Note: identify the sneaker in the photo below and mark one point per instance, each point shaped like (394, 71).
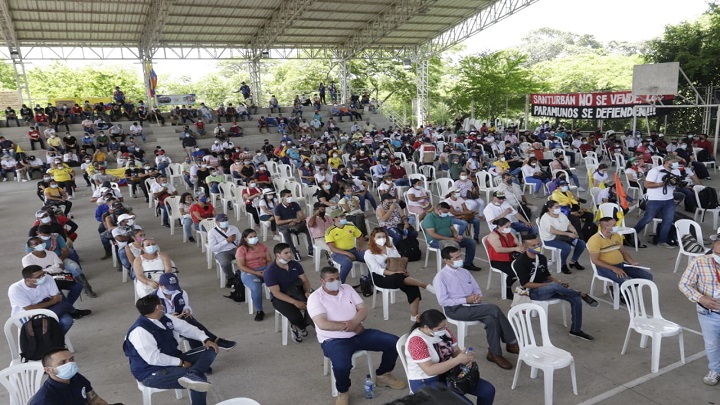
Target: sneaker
(194, 382)
(296, 335)
(259, 316)
(297, 256)
(711, 378)
(666, 245)
(581, 335)
(225, 344)
(310, 253)
(80, 313)
(581, 189)
(277, 238)
(389, 380)
(191, 239)
(430, 289)
(303, 332)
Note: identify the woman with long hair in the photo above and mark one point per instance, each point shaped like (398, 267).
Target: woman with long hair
(501, 246)
(149, 266)
(252, 257)
(557, 231)
(376, 257)
(431, 351)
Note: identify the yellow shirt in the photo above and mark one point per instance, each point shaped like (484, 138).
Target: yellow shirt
(334, 162)
(501, 166)
(344, 238)
(54, 141)
(61, 175)
(564, 199)
(609, 248)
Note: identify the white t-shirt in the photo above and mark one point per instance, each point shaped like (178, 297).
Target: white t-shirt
(492, 211)
(656, 194)
(378, 263)
(21, 295)
(457, 205)
(561, 223)
(51, 263)
(417, 194)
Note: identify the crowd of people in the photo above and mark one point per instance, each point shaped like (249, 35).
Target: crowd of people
(338, 175)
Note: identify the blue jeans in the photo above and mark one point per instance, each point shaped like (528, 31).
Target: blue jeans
(72, 267)
(556, 290)
(566, 247)
(187, 227)
(345, 262)
(73, 295)
(520, 227)
(485, 391)
(402, 182)
(368, 197)
(466, 243)
(122, 255)
(66, 322)
(398, 236)
(167, 377)
(652, 209)
(340, 352)
(162, 166)
(462, 225)
(537, 182)
(632, 272)
(255, 284)
(710, 326)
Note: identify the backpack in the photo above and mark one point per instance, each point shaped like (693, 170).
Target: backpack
(410, 248)
(366, 286)
(38, 335)
(708, 198)
(691, 245)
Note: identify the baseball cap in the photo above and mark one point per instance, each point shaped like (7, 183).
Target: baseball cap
(170, 281)
(124, 217)
(337, 214)
(221, 217)
(499, 194)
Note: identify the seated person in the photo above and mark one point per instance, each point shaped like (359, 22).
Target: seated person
(419, 199)
(350, 205)
(290, 289)
(318, 223)
(338, 312)
(502, 248)
(391, 216)
(175, 302)
(533, 274)
(559, 164)
(379, 251)
(71, 279)
(440, 233)
(600, 175)
(156, 361)
(432, 351)
(252, 257)
(342, 239)
(149, 266)
(534, 175)
(570, 205)
(462, 215)
(557, 231)
(500, 208)
(290, 219)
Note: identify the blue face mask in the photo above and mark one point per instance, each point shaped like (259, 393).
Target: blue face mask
(444, 214)
(343, 222)
(150, 249)
(67, 370)
(675, 165)
(41, 280)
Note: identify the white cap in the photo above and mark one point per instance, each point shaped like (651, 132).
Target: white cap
(124, 217)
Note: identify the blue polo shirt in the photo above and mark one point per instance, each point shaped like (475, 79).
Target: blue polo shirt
(275, 275)
(56, 393)
(287, 211)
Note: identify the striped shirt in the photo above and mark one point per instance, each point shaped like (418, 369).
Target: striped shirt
(702, 277)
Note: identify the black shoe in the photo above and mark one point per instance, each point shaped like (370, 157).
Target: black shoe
(581, 335)
(310, 253)
(471, 267)
(577, 265)
(80, 313)
(297, 256)
(225, 344)
(191, 239)
(208, 371)
(166, 225)
(565, 269)
(259, 316)
(589, 300)
(296, 335)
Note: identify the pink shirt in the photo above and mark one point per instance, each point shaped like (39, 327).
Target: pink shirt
(338, 308)
(254, 258)
(321, 225)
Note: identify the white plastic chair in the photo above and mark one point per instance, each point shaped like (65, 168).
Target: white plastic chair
(462, 329)
(607, 210)
(272, 167)
(555, 253)
(400, 348)
(485, 183)
(22, 381)
(431, 249)
(422, 177)
(203, 228)
(388, 297)
(327, 368)
(503, 276)
(682, 228)
(280, 319)
(239, 401)
(317, 253)
(657, 160)
(148, 392)
(17, 322)
(702, 211)
(443, 185)
(152, 202)
(606, 282)
(227, 193)
(172, 205)
(429, 172)
(174, 171)
(707, 164)
(646, 324)
(538, 354)
(410, 167)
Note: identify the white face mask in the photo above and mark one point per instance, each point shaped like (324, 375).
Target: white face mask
(283, 261)
(463, 177)
(556, 211)
(564, 188)
(506, 230)
(288, 200)
(333, 285)
(457, 263)
(380, 241)
(253, 240)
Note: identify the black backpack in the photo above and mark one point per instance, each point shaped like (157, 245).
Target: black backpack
(366, 286)
(708, 198)
(410, 248)
(39, 335)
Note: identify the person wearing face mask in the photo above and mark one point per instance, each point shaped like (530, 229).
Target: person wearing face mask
(501, 208)
(699, 283)
(346, 243)
(600, 176)
(121, 236)
(635, 171)
(160, 190)
(418, 200)
(307, 173)
(351, 206)
(37, 290)
(290, 219)
(570, 205)
(176, 303)
(660, 201)
(534, 175)
(223, 241)
(58, 224)
(440, 232)
(338, 312)
(646, 150)
(557, 231)
(149, 266)
(532, 273)
(262, 177)
(559, 164)
(612, 260)
(391, 216)
(502, 248)
(432, 351)
(380, 249)
(516, 198)
(54, 267)
(318, 223)
(461, 298)
(252, 258)
(64, 385)
(134, 248)
(462, 215)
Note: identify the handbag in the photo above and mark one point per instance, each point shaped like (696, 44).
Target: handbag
(397, 264)
(565, 238)
(463, 382)
(522, 295)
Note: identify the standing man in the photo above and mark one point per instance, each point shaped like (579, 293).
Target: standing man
(64, 384)
(459, 294)
(155, 360)
(701, 284)
(659, 192)
(338, 312)
(223, 241)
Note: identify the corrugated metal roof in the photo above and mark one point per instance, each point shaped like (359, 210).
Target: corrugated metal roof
(222, 23)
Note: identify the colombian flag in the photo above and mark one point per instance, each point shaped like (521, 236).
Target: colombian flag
(152, 79)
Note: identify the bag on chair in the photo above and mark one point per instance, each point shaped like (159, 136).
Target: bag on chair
(366, 285)
(39, 335)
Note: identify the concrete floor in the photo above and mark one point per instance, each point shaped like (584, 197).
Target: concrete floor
(261, 368)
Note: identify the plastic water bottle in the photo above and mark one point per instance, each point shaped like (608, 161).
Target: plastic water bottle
(464, 367)
(369, 388)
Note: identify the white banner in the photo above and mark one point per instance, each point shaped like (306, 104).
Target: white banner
(175, 99)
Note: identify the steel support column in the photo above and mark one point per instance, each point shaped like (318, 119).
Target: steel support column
(20, 76)
(146, 59)
(422, 102)
(255, 82)
(343, 82)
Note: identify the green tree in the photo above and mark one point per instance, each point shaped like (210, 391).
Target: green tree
(548, 44)
(7, 77)
(591, 72)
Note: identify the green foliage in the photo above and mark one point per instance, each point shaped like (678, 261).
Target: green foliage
(7, 77)
(590, 72)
